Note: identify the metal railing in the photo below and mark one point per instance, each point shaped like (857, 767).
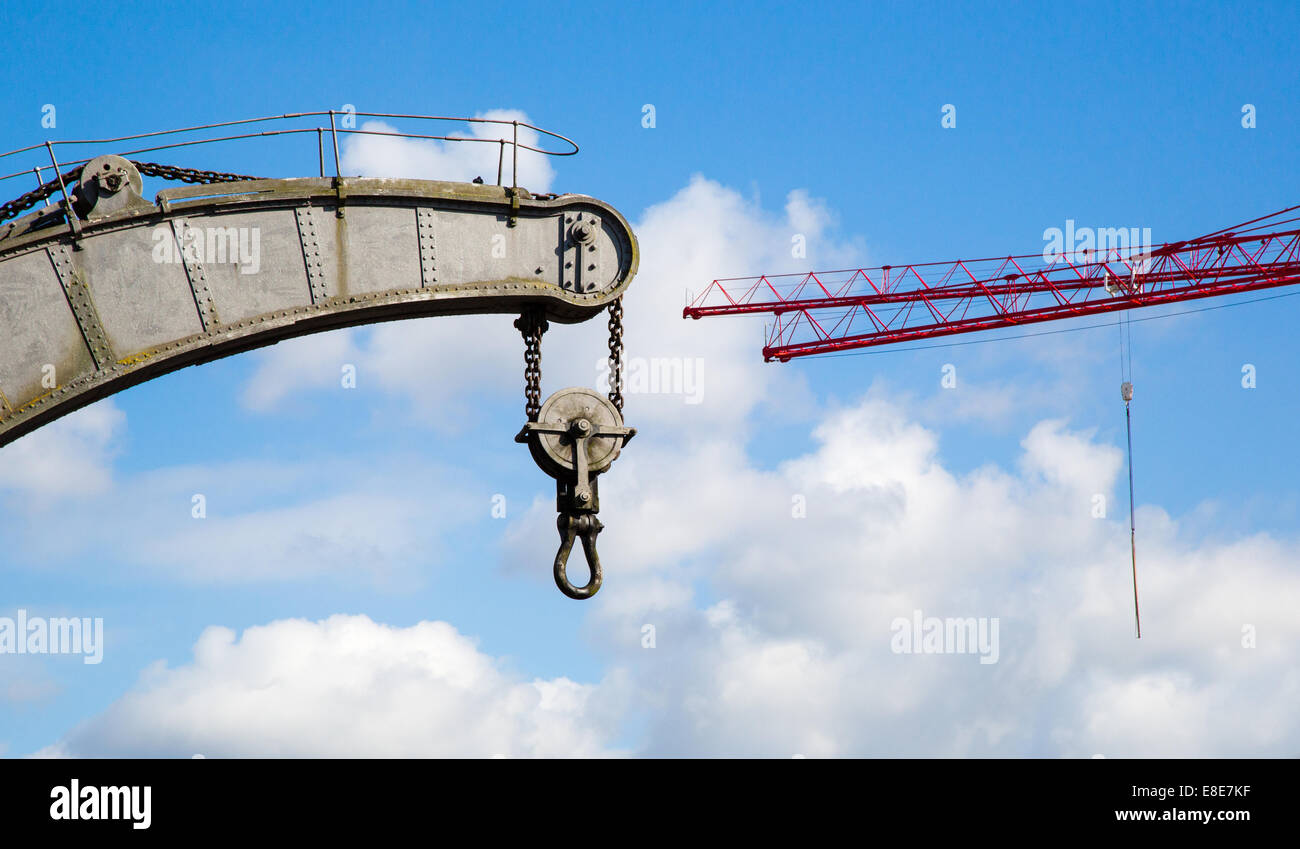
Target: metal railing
(320, 130)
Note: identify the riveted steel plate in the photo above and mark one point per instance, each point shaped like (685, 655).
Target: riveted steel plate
(212, 270)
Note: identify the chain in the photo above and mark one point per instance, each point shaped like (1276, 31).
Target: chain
(187, 175)
(25, 202)
(532, 324)
(147, 169)
(616, 354)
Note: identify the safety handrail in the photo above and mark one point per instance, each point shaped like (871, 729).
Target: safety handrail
(332, 128)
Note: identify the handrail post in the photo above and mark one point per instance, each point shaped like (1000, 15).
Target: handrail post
(40, 182)
(334, 135)
(73, 224)
(515, 168)
(338, 172)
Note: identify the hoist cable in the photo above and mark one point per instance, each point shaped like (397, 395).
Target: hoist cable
(1132, 528)
(1126, 391)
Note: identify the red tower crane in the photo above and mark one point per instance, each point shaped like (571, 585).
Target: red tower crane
(824, 312)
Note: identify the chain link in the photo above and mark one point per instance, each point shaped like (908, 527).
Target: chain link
(25, 202)
(187, 175)
(532, 324)
(616, 354)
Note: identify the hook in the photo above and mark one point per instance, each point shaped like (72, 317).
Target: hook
(571, 525)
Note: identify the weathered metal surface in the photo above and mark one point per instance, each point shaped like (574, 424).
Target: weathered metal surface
(212, 270)
(576, 436)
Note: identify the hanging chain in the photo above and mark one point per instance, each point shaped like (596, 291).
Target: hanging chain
(532, 324)
(616, 354)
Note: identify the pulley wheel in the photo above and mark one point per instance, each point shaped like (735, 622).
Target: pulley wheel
(554, 452)
(114, 173)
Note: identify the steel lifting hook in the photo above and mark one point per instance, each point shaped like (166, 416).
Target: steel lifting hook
(576, 436)
(587, 526)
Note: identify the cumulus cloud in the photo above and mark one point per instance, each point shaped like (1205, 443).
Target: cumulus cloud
(259, 521)
(24, 681)
(308, 363)
(458, 161)
(773, 630)
(345, 686)
(70, 457)
(367, 532)
(770, 574)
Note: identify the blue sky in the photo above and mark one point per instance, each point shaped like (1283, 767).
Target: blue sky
(1113, 115)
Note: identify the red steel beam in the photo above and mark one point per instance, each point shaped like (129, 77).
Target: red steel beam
(923, 301)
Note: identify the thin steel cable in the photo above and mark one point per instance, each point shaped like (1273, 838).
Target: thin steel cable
(1126, 390)
(1132, 528)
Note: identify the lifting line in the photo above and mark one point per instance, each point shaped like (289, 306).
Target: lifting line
(1126, 392)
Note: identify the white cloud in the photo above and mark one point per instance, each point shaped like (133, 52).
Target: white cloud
(345, 686)
(70, 457)
(808, 214)
(23, 680)
(796, 656)
(311, 362)
(773, 632)
(458, 161)
(381, 520)
(367, 532)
